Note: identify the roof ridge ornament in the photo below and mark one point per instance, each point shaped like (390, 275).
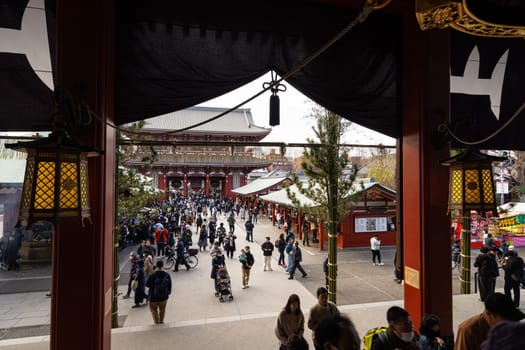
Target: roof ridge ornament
(457, 14)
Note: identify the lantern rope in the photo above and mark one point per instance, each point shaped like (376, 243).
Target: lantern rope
(445, 127)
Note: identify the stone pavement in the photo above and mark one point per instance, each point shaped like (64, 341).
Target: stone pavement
(195, 318)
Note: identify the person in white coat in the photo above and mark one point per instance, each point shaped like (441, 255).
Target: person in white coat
(375, 247)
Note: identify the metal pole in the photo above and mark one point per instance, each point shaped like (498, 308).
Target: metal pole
(465, 254)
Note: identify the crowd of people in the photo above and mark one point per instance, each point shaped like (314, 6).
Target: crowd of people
(214, 226)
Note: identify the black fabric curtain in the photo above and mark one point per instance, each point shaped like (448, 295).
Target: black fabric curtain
(170, 58)
(25, 101)
(496, 75)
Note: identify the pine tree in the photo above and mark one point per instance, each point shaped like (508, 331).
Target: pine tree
(330, 179)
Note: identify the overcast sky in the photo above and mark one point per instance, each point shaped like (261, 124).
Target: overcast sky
(295, 126)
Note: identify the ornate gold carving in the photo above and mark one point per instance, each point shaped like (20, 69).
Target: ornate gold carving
(455, 14)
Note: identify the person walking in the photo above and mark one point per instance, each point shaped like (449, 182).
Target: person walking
(203, 238)
(140, 291)
(159, 284)
(231, 222)
(148, 263)
(267, 248)
(290, 321)
(321, 309)
(248, 225)
(281, 245)
(288, 249)
(313, 227)
(247, 261)
(487, 272)
(297, 257)
(513, 267)
(133, 259)
(229, 245)
(305, 228)
(181, 259)
(375, 247)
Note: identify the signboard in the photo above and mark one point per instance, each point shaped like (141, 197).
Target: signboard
(372, 224)
(502, 187)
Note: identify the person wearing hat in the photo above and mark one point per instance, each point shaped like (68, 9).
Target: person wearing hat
(267, 248)
(473, 331)
(487, 272)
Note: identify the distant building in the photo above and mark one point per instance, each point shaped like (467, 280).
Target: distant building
(211, 169)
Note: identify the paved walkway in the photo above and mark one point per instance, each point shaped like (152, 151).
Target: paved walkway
(196, 320)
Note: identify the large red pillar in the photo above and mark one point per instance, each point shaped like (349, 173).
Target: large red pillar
(82, 264)
(425, 67)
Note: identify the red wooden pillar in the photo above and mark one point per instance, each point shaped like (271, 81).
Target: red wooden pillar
(320, 231)
(428, 281)
(81, 289)
(299, 224)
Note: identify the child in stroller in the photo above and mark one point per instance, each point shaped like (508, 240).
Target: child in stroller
(223, 287)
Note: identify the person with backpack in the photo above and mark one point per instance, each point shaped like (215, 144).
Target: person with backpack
(161, 237)
(399, 334)
(513, 267)
(159, 284)
(487, 272)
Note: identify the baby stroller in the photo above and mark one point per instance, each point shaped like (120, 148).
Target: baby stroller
(223, 286)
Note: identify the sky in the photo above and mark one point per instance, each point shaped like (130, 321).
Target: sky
(295, 126)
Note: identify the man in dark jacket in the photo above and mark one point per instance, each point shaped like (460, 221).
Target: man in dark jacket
(267, 248)
(159, 284)
(513, 267)
(487, 272)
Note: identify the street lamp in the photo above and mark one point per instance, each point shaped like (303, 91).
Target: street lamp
(471, 188)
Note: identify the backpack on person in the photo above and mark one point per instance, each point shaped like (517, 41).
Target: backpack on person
(161, 286)
(381, 333)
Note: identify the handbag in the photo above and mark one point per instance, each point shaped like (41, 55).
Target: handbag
(134, 284)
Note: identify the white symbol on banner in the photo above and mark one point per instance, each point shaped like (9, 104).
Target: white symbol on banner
(471, 84)
(31, 41)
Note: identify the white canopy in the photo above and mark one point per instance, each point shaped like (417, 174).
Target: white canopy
(281, 197)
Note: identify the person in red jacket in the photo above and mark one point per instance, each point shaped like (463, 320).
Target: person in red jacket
(161, 237)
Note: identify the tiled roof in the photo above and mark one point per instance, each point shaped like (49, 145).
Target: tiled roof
(239, 121)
